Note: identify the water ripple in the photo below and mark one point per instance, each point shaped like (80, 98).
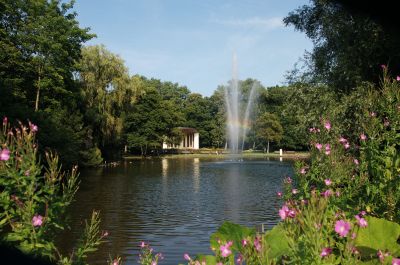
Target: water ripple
(175, 204)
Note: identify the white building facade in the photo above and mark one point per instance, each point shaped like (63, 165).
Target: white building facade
(190, 140)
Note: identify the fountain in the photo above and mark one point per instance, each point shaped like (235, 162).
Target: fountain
(237, 121)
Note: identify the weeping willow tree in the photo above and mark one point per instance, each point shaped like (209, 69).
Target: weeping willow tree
(107, 91)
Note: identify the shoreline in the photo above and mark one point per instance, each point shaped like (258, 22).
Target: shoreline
(212, 154)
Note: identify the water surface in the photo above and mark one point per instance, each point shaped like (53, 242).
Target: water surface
(174, 203)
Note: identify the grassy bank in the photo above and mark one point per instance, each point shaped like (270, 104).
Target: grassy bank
(220, 154)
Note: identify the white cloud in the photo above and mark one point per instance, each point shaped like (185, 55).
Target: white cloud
(266, 23)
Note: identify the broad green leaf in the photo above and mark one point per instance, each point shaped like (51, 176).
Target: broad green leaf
(277, 242)
(380, 234)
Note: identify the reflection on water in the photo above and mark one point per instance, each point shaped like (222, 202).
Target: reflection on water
(164, 166)
(175, 204)
(196, 174)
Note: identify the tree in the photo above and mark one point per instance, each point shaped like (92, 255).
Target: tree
(149, 121)
(268, 129)
(348, 47)
(174, 137)
(284, 103)
(40, 43)
(107, 91)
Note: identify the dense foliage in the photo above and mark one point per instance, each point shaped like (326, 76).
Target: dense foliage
(348, 46)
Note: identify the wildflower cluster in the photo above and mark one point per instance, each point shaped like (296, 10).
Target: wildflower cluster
(147, 256)
(349, 189)
(33, 198)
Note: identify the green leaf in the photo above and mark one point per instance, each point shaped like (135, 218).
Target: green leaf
(231, 232)
(380, 234)
(276, 241)
(13, 237)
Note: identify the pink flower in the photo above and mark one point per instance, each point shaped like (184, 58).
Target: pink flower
(187, 257)
(295, 191)
(361, 221)
(225, 251)
(154, 262)
(355, 251)
(383, 66)
(287, 180)
(318, 146)
(283, 212)
(304, 202)
(398, 78)
(257, 244)
(342, 140)
(363, 137)
(292, 213)
(33, 127)
(372, 114)
(382, 256)
(239, 259)
(325, 252)
(244, 242)
(327, 193)
(396, 261)
(115, 262)
(303, 170)
(279, 193)
(5, 120)
(327, 149)
(4, 154)
(328, 182)
(142, 244)
(342, 228)
(356, 161)
(327, 125)
(362, 213)
(346, 146)
(37, 220)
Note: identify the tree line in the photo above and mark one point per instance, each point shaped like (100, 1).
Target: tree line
(89, 107)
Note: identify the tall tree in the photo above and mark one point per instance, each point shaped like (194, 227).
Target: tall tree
(107, 92)
(150, 121)
(268, 129)
(40, 43)
(348, 47)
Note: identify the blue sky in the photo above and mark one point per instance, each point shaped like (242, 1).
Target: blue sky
(191, 42)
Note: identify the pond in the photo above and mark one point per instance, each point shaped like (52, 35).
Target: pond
(175, 204)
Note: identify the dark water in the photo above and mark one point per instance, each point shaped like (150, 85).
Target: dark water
(174, 204)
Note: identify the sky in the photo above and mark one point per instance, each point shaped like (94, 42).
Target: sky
(192, 42)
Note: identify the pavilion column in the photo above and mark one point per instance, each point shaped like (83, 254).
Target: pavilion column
(196, 141)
